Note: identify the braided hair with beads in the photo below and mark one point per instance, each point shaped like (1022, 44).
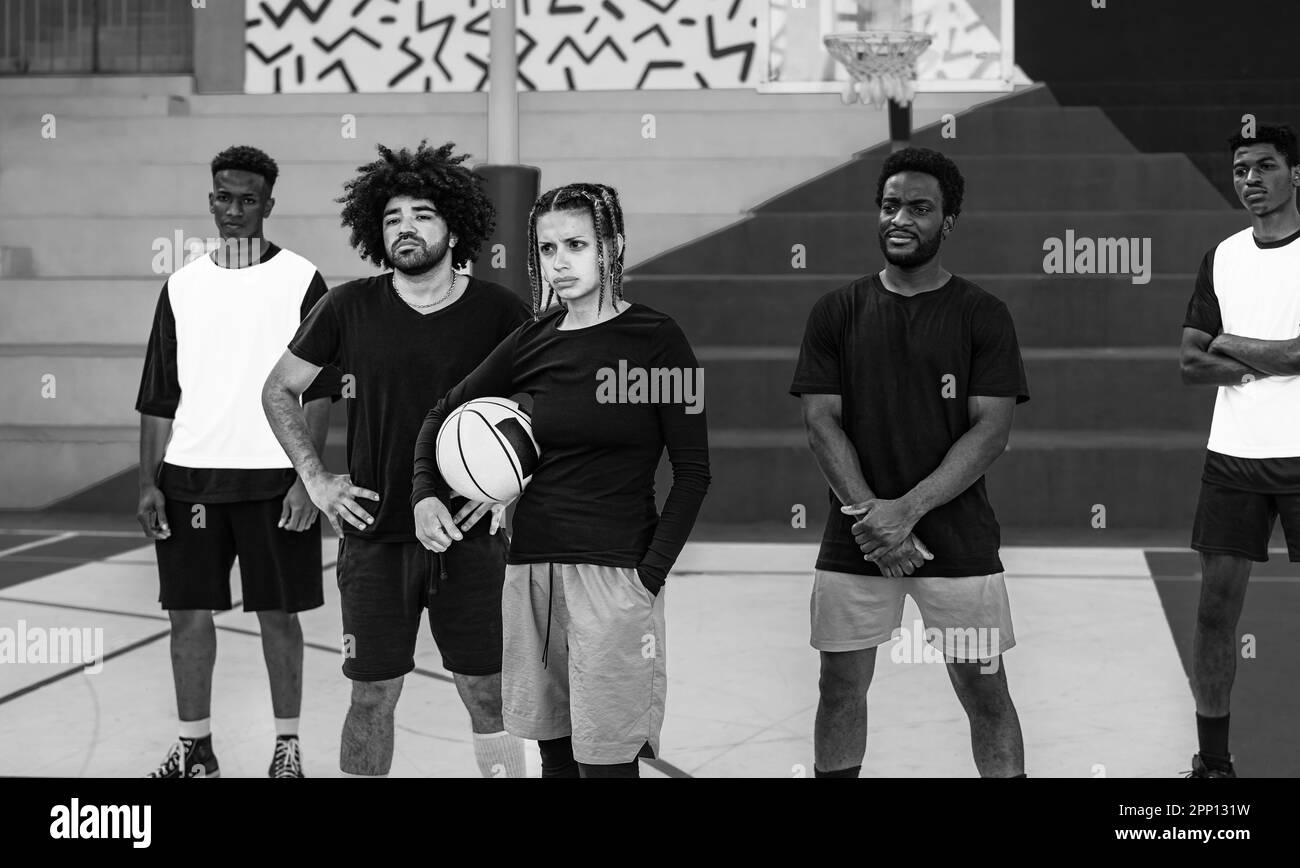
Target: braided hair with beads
(601, 202)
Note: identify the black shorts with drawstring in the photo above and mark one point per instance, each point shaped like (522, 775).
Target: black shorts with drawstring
(384, 586)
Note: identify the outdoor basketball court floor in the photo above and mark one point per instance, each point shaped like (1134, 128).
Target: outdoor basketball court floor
(1098, 673)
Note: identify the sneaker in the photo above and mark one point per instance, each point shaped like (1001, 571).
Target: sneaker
(1201, 770)
(287, 762)
(189, 758)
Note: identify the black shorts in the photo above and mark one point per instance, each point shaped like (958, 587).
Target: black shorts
(278, 569)
(384, 586)
(1230, 521)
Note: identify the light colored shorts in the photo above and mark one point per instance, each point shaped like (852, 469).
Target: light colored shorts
(967, 618)
(604, 678)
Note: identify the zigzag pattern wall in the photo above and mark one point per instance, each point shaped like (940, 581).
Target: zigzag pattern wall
(332, 46)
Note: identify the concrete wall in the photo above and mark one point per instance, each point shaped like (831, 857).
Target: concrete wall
(219, 48)
(1157, 40)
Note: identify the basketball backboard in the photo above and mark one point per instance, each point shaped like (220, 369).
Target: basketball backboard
(972, 44)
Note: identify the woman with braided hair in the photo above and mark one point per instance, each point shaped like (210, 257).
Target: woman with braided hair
(583, 606)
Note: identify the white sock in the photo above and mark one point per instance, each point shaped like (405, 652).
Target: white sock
(350, 775)
(500, 755)
(286, 726)
(196, 729)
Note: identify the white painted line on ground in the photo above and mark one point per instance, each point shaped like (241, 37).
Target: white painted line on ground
(69, 534)
(35, 531)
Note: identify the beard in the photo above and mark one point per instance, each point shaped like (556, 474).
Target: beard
(926, 249)
(419, 261)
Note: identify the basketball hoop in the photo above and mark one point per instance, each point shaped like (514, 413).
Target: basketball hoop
(881, 64)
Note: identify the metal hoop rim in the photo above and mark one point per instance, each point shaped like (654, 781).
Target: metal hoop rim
(843, 36)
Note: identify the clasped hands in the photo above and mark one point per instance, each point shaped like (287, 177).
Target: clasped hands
(883, 532)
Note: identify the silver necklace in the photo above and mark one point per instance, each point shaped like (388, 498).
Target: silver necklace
(392, 278)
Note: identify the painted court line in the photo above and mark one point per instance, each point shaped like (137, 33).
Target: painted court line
(663, 766)
(39, 531)
(65, 535)
(72, 608)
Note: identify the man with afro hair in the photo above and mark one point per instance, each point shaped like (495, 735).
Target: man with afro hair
(402, 339)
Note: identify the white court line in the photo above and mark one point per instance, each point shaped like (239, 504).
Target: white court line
(1190, 551)
(67, 534)
(36, 531)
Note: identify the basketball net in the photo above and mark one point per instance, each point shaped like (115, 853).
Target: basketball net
(881, 64)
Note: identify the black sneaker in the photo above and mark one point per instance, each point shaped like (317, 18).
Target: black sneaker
(1201, 770)
(189, 758)
(287, 762)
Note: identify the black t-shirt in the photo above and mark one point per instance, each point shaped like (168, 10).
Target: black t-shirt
(591, 499)
(904, 366)
(160, 394)
(402, 362)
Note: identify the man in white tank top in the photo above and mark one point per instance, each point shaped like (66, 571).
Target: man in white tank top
(215, 484)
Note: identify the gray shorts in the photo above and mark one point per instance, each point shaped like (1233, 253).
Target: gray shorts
(970, 616)
(604, 678)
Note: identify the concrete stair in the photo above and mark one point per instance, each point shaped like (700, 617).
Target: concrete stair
(132, 154)
(1109, 422)
(1099, 311)
(985, 241)
(1196, 118)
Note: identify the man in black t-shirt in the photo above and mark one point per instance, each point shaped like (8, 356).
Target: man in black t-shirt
(404, 339)
(909, 379)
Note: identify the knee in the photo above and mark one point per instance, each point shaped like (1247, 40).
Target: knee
(279, 623)
(375, 697)
(482, 696)
(981, 692)
(191, 622)
(838, 687)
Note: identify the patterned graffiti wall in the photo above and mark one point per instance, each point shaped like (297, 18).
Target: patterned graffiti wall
(334, 46)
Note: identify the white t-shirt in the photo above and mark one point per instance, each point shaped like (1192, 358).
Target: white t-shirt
(217, 334)
(1251, 288)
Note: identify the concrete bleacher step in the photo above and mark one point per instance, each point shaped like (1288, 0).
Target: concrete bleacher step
(70, 384)
(1216, 166)
(90, 468)
(1024, 182)
(1085, 389)
(987, 242)
(95, 85)
(746, 387)
(767, 310)
(1048, 310)
(547, 102)
(128, 246)
(682, 134)
(1144, 479)
(86, 310)
(44, 464)
(193, 140)
(1152, 127)
(29, 109)
(1242, 93)
(1029, 129)
(719, 186)
(984, 242)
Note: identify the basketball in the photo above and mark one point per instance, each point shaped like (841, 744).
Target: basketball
(486, 450)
